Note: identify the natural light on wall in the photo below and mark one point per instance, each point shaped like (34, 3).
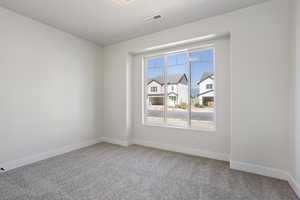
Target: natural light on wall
(172, 44)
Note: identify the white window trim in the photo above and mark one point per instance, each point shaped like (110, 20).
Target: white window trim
(145, 89)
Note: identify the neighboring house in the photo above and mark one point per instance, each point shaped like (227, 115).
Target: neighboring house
(177, 88)
(206, 87)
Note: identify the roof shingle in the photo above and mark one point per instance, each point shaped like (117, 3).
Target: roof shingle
(171, 78)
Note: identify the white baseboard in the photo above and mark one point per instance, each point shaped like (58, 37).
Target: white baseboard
(294, 185)
(260, 170)
(123, 143)
(184, 150)
(42, 156)
(266, 171)
(242, 166)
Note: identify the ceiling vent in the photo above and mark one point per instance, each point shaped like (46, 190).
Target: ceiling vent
(153, 18)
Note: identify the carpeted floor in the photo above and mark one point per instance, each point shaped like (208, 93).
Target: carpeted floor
(110, 172)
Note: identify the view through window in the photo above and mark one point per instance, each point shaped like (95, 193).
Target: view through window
(184, 94)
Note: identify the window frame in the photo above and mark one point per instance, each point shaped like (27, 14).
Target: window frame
(164, 54)
(153, 89)
(173, 98)
(209, 86)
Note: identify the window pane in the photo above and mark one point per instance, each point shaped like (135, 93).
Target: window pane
(177, 90)
(155, 90)
(202, 89)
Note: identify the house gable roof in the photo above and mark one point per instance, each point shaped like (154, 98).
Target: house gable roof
(153, 80)
(205, 76)
(172, 79)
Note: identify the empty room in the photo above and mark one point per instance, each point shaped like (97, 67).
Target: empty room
(150, 100)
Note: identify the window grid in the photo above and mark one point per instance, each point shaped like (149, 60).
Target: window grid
(209, 86)
(165, 85)
(153, 89)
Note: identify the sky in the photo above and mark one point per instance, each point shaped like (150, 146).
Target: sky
(178, 63)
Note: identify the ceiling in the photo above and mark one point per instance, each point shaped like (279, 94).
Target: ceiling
(107, 22)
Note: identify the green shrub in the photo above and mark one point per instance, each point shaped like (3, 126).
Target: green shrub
(182, 105)
(198, 105)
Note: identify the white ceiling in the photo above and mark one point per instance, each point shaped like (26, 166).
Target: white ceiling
(106, 22)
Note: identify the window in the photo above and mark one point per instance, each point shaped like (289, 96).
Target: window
(209, 86)
(191, 105)
(153, 89)
(172, 98)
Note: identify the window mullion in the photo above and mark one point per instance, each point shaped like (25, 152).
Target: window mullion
(165, 89)
(145, 96)
(189, 89)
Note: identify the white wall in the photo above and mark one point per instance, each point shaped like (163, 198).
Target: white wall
(182, 91)
(202, 86)
(260, 54)
(47, 88)
(160, 89)
(175, 88)
(295, 139)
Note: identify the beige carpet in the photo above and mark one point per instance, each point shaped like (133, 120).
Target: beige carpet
(110, 172)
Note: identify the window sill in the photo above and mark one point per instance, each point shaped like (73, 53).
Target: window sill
(204, 129)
